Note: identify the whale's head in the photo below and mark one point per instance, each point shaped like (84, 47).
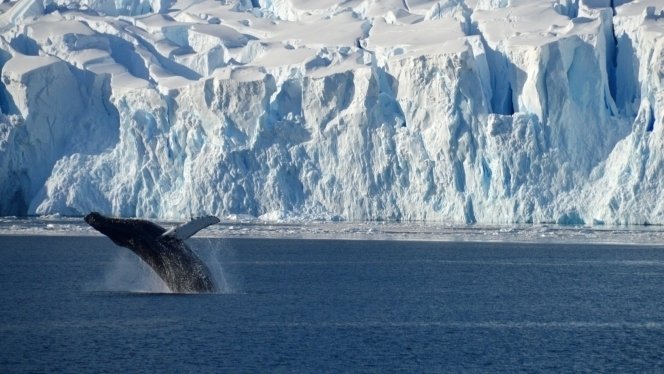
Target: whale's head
(98, 222)
(114, 228)
(94, 219)
(125, 232)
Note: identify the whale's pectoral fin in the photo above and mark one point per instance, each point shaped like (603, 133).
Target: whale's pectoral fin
(188, 229)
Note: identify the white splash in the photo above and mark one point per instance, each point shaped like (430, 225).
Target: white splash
(128, 273)
(213, 253)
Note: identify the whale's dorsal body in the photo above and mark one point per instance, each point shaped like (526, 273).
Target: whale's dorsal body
(165, 251)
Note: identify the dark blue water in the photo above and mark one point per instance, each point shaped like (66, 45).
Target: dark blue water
(304, 305)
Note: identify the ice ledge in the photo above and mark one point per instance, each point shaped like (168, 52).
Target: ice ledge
(417, 231)
(487, 111)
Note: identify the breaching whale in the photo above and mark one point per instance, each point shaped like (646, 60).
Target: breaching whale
(165, 251)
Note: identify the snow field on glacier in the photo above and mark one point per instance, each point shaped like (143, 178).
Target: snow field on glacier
(456, 111)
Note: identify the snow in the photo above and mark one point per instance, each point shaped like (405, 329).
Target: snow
(486, 111)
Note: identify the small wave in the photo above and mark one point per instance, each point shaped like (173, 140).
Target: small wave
(559, 325)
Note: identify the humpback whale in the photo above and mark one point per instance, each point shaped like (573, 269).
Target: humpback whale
(165, 251)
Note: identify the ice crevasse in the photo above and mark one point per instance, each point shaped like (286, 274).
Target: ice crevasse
(491, 111)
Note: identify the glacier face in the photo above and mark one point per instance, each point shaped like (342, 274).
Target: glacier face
(489, 111)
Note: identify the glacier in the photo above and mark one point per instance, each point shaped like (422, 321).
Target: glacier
(470, 111)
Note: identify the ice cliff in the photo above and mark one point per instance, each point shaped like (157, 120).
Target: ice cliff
(489, 111)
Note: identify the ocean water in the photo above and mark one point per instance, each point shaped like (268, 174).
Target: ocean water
(82, 304)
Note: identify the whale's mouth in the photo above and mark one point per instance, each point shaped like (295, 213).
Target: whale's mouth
(93, 219)
(88, 219)
(99, 223)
